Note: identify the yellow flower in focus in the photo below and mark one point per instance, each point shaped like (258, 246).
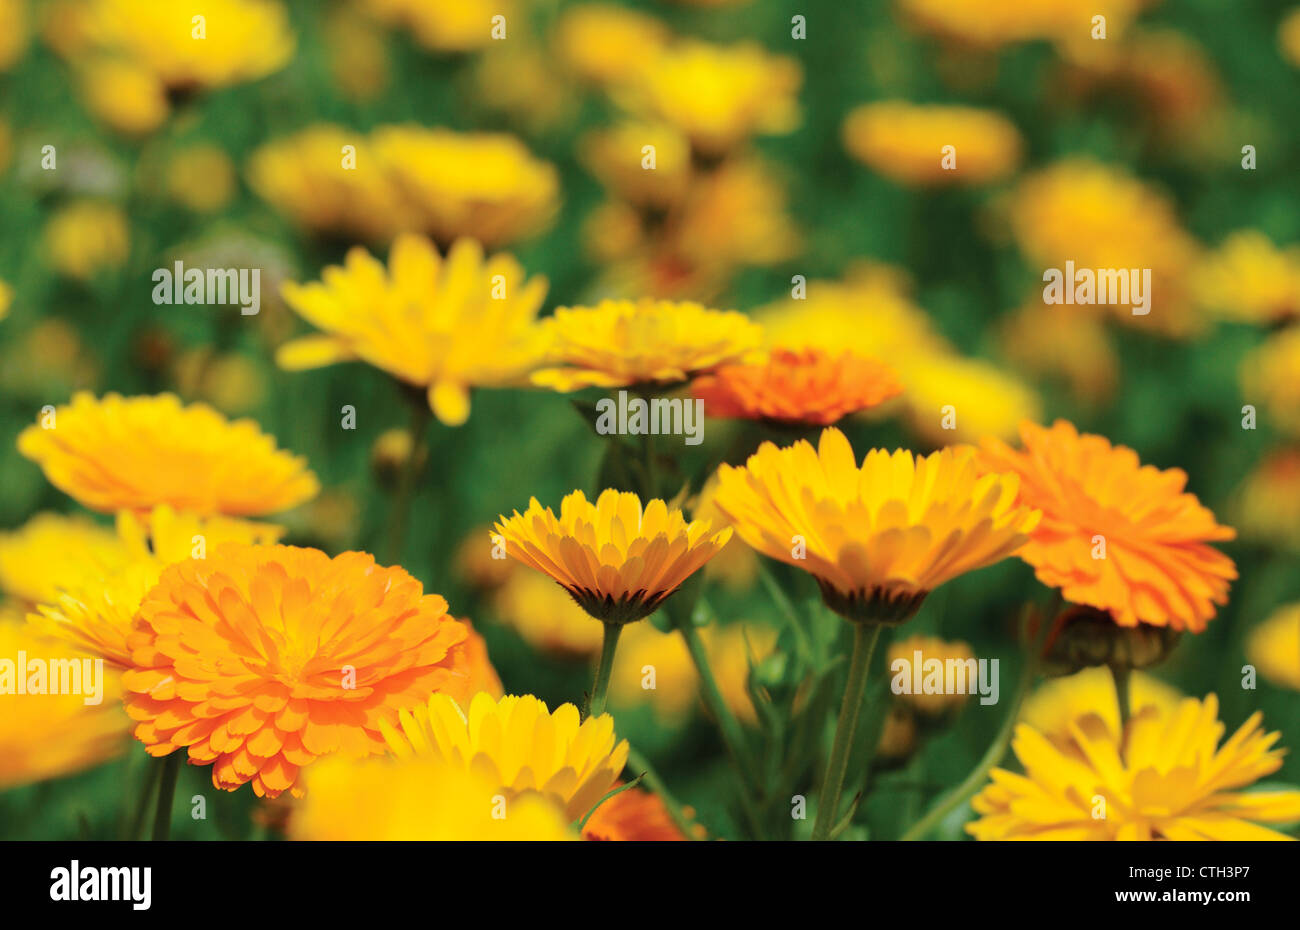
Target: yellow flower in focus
(447, 25)
(1059, 703)
(442, 324)
(13, 32)
(486, 186)
(201, 177)
(878, 538)
(1267, 505)
(85, 238)
(50, 547)
(1288, 37)
(618, 561)
(1158, 567)
(719, 96)
(420, 799)
(242, 40)
(1251, 280)
(1167, 777)
(519, 744)
(1273, 647)
(906, 142)
(134, 453)
(44, 736)
(985, 400)
(602, 43)
(912, 657)
(545, 615)
(97, 589)
(127, 96)
(1270, 377)
(645, 342)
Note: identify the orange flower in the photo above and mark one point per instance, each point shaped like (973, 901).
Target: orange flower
(262, 658)
(633, 816)
(796, 387)
(1116, 535)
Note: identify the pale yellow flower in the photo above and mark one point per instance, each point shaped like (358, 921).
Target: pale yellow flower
(449, 25)
(51, 547)
(13, 32)
(124, 94)
(950, 398)
(909, 142)
(1270, 379)
(201, 177)
(1273, 647)
(85, 238)
(1249, 279)
(603, 43)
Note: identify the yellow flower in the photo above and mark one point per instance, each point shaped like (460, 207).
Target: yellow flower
(1070, 346)
(6, 299)
(1251, 280)
(736, 566)
(201, 177)
(13, 32)
(617, 158)
(732, 651)
(880, 537)
(357, 52)
(1270, 377)
(231, 382)
(419, 799)
(619, 563)
(655, 669)
(622, 342)
(51, 546)
(1288, 36)
(906, 142)
(447, 25)
(444, 325)
(603, 43)
(912, 655)
(545, 615)
(97, 589)
(1273, 647)
(242, 39)
(1100, 217)
(735, 216)
(483, 185)
(719, 96)
(115, 453)
(1267, 506)
(46, 736)
(519, 744)
(125, 95)
(1059, 703)
(1167, 777)
(978, 22)
(985, 400)
(86, 237)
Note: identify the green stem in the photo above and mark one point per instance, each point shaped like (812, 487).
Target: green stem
(865, 636)
(162, 821)
(1123, 677)
(154, 768)
(656, 784)
(600, 689)
(802, 639)
(997, 749)
(732, 735)
(405, 484)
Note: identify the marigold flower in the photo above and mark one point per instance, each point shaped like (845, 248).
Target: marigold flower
(201, 178)
(1273, 647)
(49, 547)
(125, 95)
(623, 342)
(85, 238)
(519, 744)
(46, 736)
(1270, 376)
(797, 387)
(1059, 703)
(1267, 505)
(632, 816)
(914, 653)
(616, 157)
(879, 537)
(1288, 37)
(13, 32)
(602, 42)
(545, 616)
(442, 324)
(905, 142)
(6, 292)
(1167, 777)
(1251, 280)
(260, 659)
(445, 25)
(417, 799)
(992, 25)
(135, 453)
(619, 562)
(1116, 535)
(1071, 347)
(949, 397)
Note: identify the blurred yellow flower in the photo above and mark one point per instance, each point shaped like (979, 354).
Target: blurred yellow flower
(619, 343)
(732, 651)
(6, 299)
(201, 177)
(125, 95)
(1067, 22)
(736, 566)
(1288, 36)
(1071, 347)
(135, 453)
(13, 32)
(619, 159)
(1273, 647)
(877, 538)
(950, 398)
(358, 54)
(523, 83)
(441, 324)
(719, 96)
(908, 142)
(735, 216)
(654, 668)
(1099, 216)
(418, 799)
(912, 654)
(46, 736)
(618, 561)
(519, 744)
(227, 42)
(230, 381)
(86, 237)
(1167, 777)
(1059, 703)
(546, 615)
(54, 546)
(98, 589)
(1267, 505)
(603, 43)
(449, 25)
(1251, 280)
(1270, 378)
